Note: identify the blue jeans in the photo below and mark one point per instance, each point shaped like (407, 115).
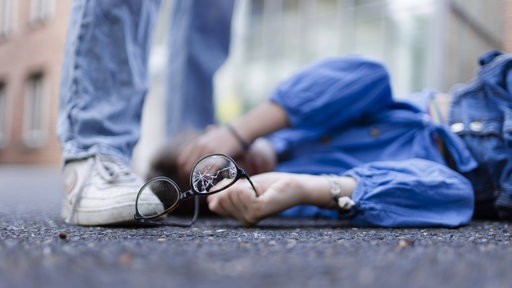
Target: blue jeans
(481, 114)
(105, 71)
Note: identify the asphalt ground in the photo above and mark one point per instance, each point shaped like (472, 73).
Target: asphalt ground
(37, 249)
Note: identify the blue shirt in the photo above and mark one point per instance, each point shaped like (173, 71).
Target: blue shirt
(344, 120)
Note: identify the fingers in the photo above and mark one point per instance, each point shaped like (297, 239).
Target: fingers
(277, 192)
(192, 153)
(215, 140)
(198, 148)
(215, 205)
(238, 202)
(261, 157)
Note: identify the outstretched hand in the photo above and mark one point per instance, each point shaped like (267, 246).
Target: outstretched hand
(277, 192)
(262, 120)
(216, 139)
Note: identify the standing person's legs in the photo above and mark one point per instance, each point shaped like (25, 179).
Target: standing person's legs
(199, 41)
(104, 82)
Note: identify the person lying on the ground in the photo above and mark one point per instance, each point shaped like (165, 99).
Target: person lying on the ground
(341, 115)
(344, 143)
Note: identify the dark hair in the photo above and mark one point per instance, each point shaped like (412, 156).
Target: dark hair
(165, 163)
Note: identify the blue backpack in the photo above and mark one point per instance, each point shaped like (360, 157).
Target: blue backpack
(481, 114)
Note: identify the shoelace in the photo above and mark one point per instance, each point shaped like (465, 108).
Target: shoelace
(110, 169)
(113, 170)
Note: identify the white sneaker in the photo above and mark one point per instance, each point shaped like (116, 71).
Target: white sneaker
(102, 191)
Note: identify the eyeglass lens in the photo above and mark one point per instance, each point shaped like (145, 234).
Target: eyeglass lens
(211, 174)
(165, 190)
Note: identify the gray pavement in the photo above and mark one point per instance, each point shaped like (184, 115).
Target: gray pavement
(38, 250)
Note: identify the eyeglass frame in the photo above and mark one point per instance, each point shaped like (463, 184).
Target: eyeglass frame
(192, 192)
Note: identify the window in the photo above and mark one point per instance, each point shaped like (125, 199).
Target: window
(6, 17)
(41, 10)
(35, 118)
(3, 115)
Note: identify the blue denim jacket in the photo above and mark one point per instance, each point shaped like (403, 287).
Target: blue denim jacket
(481, 114)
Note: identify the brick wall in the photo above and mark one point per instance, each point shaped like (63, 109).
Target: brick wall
(29, 49)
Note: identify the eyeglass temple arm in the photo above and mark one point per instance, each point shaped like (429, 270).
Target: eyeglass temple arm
(250, 182)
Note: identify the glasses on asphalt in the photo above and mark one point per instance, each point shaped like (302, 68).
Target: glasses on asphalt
(211, 174)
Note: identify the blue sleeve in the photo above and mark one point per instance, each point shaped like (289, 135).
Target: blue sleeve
(410, 193)
(334, 92)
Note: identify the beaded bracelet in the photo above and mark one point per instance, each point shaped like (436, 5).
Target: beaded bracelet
(336, 188)
(242, 142)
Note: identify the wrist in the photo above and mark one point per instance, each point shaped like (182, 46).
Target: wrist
(340, 189)
(264, 119)
(313, 190)
(243, 143)
(325, 190)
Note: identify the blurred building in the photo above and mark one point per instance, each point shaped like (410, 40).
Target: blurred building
(32, 35)
(424, 43)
